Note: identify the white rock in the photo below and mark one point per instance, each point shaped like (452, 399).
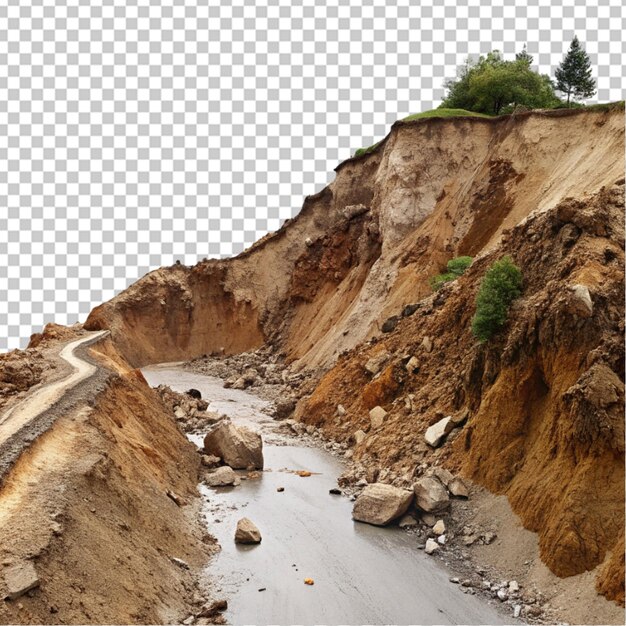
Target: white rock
(441, 539)
(341, 410)
(436, 433)
(377, 416)
(439, 528)
(431, 546)
(513, 586)
(179, 414)
(380, 504)
(502, 594)
(517, 609)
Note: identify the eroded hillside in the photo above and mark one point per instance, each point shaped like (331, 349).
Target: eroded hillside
(368, 243)
(539, 408)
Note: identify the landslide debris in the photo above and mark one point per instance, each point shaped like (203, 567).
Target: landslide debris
(542, 403)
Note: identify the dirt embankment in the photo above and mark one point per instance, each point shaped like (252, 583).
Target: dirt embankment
(87, 504)
(368, 243)
(543, 401)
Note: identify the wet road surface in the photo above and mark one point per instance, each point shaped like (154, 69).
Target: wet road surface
(363, 574)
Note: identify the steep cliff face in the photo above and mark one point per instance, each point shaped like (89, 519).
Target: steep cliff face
(543, 402)
(368, 242)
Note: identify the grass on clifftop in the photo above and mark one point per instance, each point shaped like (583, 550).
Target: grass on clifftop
(444, 113)
(424, 114)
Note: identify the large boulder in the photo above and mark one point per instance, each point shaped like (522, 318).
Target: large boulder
(380, 504)
(237, 446)
(430, 495)
(247, 532)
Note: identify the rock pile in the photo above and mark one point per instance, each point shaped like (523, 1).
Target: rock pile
(189, 410)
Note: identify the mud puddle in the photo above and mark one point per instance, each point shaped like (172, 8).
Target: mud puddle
(362, 574)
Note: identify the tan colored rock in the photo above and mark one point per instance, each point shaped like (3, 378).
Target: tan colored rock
(380, 504)
(580, 302)
(238, 446)
(377, 416)
(457, 487)
(247, 532)
(359, 437)
(223, 477)
(430, 495)
(431, 546)
(436, 433)
(412, 364)
(427, 344)
(439, 528)
(20, 579)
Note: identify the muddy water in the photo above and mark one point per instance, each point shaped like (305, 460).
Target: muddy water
(363, 574)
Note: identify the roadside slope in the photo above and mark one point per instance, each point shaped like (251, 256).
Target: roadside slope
(87, 505)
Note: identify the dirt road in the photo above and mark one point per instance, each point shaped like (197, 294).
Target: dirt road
(29, 414)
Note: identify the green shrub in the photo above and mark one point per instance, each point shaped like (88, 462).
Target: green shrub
(500, 286)
(456, 267)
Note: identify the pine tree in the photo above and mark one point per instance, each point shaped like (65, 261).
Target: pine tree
(573, 76)
(524, 56)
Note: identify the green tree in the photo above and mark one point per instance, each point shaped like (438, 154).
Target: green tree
(573, 76)
(500, 286)
(524, 56)
(456, 267)
(493, 85)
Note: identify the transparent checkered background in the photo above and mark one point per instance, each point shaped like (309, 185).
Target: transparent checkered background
(137, 132)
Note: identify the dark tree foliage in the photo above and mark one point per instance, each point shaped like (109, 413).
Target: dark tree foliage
(524, 56)
(495, 86)
(573, 76)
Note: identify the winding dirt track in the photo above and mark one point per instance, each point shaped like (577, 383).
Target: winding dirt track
(13, 420)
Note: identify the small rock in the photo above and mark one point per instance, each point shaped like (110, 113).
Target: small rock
(189, 620)
(439, 528)
(308, 242)
(309, 581)
(247, 532)
(223, 477)
(390, 324)
(431, 546)
(517, 609)
(210, 460)
(341, 410)
(457, 487)
(533, 610)
(441, 539)
(377, 416)
(412, 365)
(467, 583)
(429, 519)
(469, 540)
(179, 414)
(513, 586)
(375, 364)
(182, 564)
(407, 521)
(489, 537)
(444, 476)
(502, 594)
(280, 489)
(213, 609)
(194, 393)
(335, 492)
(427, 344)
(20, 579)
(359, 437)
(436, 433)
(454, 580)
